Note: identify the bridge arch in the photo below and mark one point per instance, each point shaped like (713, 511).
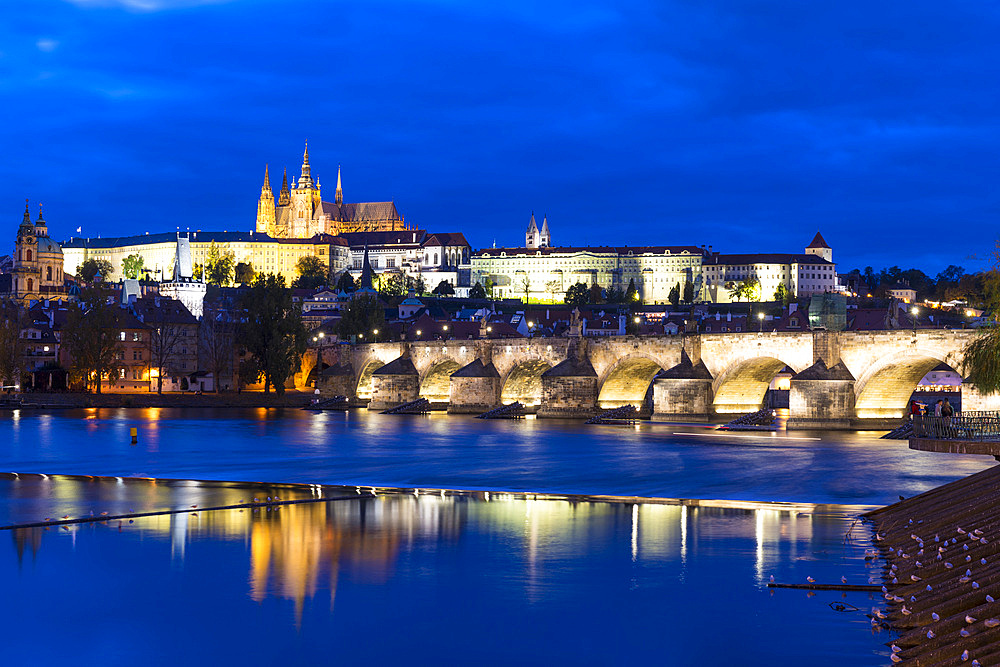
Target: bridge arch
(435, 385)
(364, 387)
(523, 382)
(884, 389)
(628, 381)
(742, 386)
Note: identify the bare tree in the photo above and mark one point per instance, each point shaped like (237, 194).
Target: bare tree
(13, 319)
(167, 330)
(91, 337)
(217, 338)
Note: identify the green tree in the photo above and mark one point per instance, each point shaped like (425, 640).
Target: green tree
(133, 266)
(92, 267)
(578, 295)
(783, 294)
(525, 286)
(616, 295)
(392, 285)
(244, 273)
(488, 287)
(596, 294)
(444, 288)
(631, 294)
(674, 296)
(688, 293)
(477, 292)
(418, 284)
(198, 271)
(981, 361)
(220, 265)
(312, 272)
(272, 331)
(92, 338)
(346, 283)
(363, 316)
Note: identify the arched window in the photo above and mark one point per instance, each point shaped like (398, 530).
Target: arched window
(48, 273)
(29, 281)
(27, 255)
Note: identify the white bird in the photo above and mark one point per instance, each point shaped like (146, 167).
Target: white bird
(984, 541)
(885, 590)
(936, 538)
(934, 616)
(989, 598)
(965, 547)
(965, 655)
(962, 532)
(963, 632)
(895, 580)
(968, 559)
(968, 573)
(914, 577)
(878, 612)
(913, 598)
(843, 579)
(810, 580)
(930, 634)
(974, 538)
(914, 537)
(896, 598)
(895, 657)
(918, 563)
(975, 585)
(975, 663)
(929, 589)
(895, 649)
(977, 532)
(991, 622)
(982, 561)
(905, 611)
(964, 580)
(969, 619)
(948, 565)
(772, 578)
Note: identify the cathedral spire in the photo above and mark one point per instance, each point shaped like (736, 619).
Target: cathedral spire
(284, 197)
(367, 274)
(340, 192)
(306, 180)
(27, 214)
(267, 180)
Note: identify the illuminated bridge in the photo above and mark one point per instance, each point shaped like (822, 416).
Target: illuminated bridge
(841, 379)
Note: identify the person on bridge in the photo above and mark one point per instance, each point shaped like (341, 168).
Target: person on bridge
(914, 410)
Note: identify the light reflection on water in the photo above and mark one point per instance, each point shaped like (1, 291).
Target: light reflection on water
(433, 578)
(443, 451)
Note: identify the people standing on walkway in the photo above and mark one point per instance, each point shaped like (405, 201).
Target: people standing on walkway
(914, 410)
(937, 408)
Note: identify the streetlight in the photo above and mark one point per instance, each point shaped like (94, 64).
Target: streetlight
(760, 316)
(418, 332)
(913, 312)
(375, 331)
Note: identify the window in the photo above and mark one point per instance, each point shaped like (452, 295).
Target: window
(357, 264)
(390, 263)
(48, 273)
(123, 336)
(29, 279)
(27, 256)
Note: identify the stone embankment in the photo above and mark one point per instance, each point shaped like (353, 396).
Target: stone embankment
(246, 399)
(942, 553)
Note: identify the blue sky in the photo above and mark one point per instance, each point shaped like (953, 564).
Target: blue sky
(747, 126)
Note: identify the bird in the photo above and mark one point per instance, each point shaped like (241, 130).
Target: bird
(948, 565)
(968, 559)
(989, 598)
(66, 517)
(895, 580)
(895, 657)
(895, 649)
(917, 562)
(965, 655)
(930, 634)
(963, 632)
(104, 513)
(936, 538)
(969, 619)
(905, 611)
(964, 580)
(914, 537)
(991, 622)
(975, 663)
(843, 580)
(194, 507)
(914, 577)
(961, 532)
(975, 585)
(896, 598)
(965, 547)
(977, 532)
(984, 541)
(982, 561)
(934, 616)
(878, 612)
(929, 589)
(913, 598)
(974, 538)
(772, 578)
(810, 580)
(968, 573)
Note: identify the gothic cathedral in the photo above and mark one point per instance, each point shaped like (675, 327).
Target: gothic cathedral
(301, 213)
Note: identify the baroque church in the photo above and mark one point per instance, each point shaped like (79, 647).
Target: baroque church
(38, 263)
(301, 213)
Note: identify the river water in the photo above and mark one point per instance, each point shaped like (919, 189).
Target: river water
(511, 571)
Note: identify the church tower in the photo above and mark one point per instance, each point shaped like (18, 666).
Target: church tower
(532, 237)
(26, 273)
(820, 248)
(284, 198)
(544, 238)
(265, 207)
(339, 198)
(306, 203)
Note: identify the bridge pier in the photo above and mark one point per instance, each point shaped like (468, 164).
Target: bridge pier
(569, 389)
(683, 392)
(475, 388)
(394, 384)
(337, 380)
(821, 398)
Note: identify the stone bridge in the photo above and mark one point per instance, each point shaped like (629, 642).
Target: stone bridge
(841, 379)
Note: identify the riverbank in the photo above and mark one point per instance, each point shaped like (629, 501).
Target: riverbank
(942, 553)
(246, 399)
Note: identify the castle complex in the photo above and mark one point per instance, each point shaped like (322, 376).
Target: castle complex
(301, 213)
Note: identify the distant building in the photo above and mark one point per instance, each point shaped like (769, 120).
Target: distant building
(182, 286)
(903, 292)
(301, 213)
(413, 253)
(37, 271)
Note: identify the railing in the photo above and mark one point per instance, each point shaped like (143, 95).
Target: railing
(970, 426)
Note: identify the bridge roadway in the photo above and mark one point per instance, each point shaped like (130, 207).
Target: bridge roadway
(841, 380)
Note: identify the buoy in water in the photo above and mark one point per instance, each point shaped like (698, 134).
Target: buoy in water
(135, 435)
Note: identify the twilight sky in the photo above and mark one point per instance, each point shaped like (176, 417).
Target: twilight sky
(744, 125)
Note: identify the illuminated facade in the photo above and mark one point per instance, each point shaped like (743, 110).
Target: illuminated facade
(38, 263)
(300, 212)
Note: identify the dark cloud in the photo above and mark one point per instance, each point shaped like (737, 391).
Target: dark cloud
(747, 126)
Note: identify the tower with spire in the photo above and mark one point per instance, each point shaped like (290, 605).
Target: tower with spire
(339, 197)
(265, 207)
(544, 238)
(532, 238)
(38, 261)
(306, 204)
